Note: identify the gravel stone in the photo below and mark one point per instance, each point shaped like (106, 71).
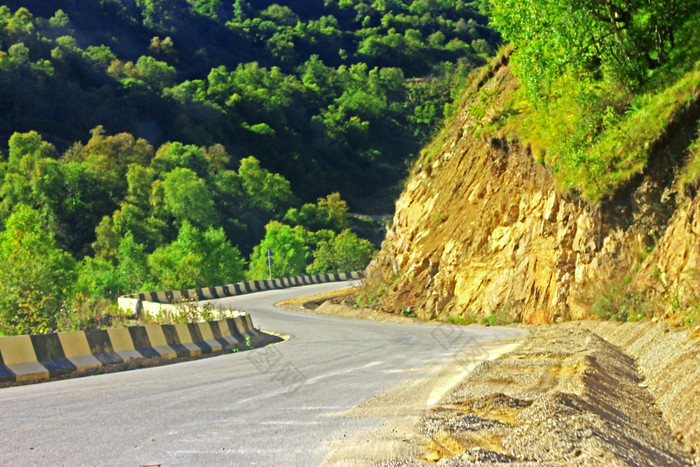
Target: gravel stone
(566, 396)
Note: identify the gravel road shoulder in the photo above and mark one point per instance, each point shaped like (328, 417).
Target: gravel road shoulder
(563, 395)
(334, 304)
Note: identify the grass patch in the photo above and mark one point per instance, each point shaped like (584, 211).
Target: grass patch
(691, 171)
(622, 150)
(692, 318)
(461, 320)
(680, 304)
(499, 317)
(596, 123)
(617, 301)
(595, 136)
(93, 313)
(616, 298)
(102, 313)
(187, 311)
(370, 293)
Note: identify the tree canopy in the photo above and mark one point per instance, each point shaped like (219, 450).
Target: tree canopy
(334, 96)
(35, 275)
(115, 215)
(620, 38)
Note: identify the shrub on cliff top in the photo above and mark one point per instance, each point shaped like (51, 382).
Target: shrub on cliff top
(602, 82)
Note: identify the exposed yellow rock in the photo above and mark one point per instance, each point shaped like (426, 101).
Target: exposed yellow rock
(672, 270)
(483, 228)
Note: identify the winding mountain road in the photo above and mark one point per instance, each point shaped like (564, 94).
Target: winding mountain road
(279, 405)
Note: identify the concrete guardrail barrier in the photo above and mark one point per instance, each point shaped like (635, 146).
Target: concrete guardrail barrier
(153, 303)
(43, 356)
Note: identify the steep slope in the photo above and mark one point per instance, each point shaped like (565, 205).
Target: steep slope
(482, 230)
(672, 272)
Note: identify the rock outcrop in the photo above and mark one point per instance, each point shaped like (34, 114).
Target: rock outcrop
(672, 272)
(483, 228)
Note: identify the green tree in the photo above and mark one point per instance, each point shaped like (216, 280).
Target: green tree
(268, 191)
(289, 247)
(139, 181)
(101, 56)
(173, 155)
(134, 269)
(155, 73)
(14, 191)
(206, 7)
(158, 14)
(35, 275)
(114, 153)
(162, 47)
(328, 213)
(97, 278)
(621, 38)
(107, 240)
(280, 14)
(147, 230)
(19, 53)
(26, 149)
(188, 198)
(73, 197)
(197, 259)
(217, 158)
(241, 10)
(345, 252)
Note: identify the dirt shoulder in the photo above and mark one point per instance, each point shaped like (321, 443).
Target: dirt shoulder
(333, 304)
(575, 393)
(669, 360)
(398, 440)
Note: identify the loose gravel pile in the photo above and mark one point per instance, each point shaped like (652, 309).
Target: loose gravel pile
(669, 360)
(566, 396)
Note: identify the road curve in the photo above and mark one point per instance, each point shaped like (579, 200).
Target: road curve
(270, 406)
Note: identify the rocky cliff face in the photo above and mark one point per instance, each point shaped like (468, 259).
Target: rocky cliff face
(483, 228)
(671, 274)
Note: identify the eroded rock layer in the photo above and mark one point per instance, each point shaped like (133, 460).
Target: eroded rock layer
(484, 229)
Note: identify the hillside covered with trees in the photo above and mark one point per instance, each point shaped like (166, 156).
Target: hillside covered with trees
(334, 97)
(153, 144)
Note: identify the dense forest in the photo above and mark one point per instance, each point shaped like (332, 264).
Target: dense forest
(334, 97)
(157, 144)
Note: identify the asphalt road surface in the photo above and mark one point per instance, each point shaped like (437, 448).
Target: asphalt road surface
(269, 406)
